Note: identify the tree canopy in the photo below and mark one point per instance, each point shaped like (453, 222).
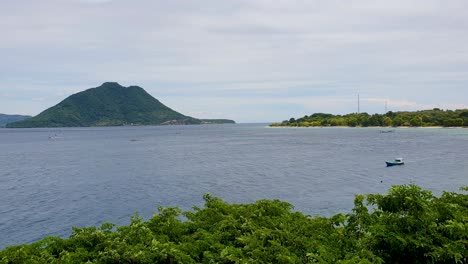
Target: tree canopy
(434, 117)
(406, 225)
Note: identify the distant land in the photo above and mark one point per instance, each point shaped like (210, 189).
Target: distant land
(6, 119)
(217, 121)
(110, 105)
(424, 118)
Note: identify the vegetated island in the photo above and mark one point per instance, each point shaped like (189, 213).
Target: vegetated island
(406, 225)
(217, 121)
(424, 118)
(109, 105)
(6, 119)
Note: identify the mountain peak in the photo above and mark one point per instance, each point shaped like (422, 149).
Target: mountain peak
(107, 105)
(111, 84)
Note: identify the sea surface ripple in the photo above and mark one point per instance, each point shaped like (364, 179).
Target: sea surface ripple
(53, 179)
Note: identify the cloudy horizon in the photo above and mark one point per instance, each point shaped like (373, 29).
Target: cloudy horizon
(251, 61)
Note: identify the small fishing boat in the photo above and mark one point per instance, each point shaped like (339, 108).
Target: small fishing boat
(398, 161)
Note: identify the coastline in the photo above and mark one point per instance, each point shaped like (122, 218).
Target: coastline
(405, 127)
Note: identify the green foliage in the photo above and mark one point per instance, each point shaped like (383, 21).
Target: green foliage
(411, 225)
(435, 117)
(107, 105)
(406, 225)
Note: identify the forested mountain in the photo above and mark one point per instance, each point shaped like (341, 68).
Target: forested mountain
(107, 105)
(5, 119)
(424, 118)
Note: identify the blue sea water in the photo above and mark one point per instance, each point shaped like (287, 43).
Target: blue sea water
(53, 179)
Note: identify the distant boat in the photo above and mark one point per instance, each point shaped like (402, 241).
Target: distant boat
(387, 131)
(398, 161)
(54, 136)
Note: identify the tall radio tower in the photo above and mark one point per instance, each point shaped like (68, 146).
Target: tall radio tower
(358, 104)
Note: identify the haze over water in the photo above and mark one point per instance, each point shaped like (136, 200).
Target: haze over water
(53, 179)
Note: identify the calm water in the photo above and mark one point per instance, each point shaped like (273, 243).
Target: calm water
(84, 176)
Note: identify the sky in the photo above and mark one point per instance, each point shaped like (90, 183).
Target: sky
(251, 61)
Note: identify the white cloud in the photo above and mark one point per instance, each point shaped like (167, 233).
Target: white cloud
(241, 50)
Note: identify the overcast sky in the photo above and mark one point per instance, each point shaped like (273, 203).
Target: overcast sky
(250, 61)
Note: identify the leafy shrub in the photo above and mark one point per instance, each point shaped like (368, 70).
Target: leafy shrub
(406, 225)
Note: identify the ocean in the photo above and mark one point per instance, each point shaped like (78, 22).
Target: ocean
(53, 179)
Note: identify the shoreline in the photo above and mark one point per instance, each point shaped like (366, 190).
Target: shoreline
(405, 127)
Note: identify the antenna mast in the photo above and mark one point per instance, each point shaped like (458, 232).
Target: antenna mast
(358, 104)
(385, 106)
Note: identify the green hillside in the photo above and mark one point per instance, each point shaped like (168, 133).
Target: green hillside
(5, 119)
(107, 105)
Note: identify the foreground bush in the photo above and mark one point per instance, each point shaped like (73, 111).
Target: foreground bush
(407, 225)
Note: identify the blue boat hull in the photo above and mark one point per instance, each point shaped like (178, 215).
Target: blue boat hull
(394, 163)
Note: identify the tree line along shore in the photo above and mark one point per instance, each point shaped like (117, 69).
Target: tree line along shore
(425, 118)
(406, 225)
